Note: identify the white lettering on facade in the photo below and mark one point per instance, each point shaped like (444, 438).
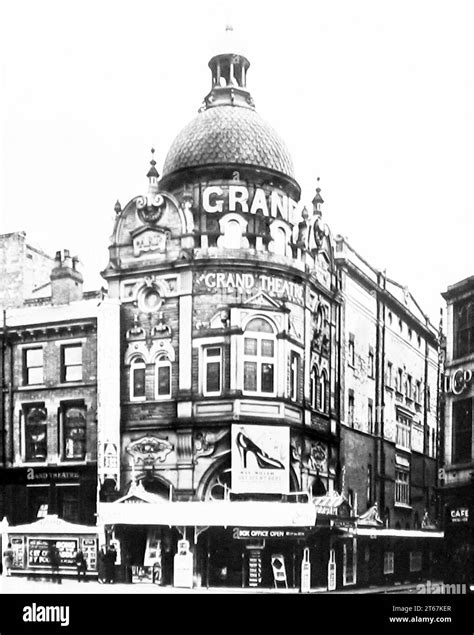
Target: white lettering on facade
(236, 198)
(209, 206)
(247, 282)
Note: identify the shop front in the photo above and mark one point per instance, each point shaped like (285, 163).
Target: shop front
(33, 544)
(226, 543)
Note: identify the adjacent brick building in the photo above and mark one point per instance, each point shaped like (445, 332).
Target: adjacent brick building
(49, 404)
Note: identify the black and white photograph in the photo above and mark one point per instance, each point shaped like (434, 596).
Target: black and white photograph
(236, 316)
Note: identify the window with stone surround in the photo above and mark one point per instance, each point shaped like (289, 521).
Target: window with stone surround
(137, 379)
(33, 366)
(402, 487)
(259, 357)
(71, 362)
(212, 370)
(462, 431)
(73, 430)
(163, 377)
(35, 432)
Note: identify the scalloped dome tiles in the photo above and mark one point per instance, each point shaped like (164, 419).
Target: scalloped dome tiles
(228, 135)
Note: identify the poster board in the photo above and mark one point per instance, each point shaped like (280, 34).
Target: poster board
(18, 547)
(89, 549)
(38, 552)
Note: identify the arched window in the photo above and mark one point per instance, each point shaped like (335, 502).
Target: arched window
(322, 392)
(163, 378)
(36, 429)
(233, 235)
(279, 244)
(259, 357)
(137, 379)
(313, 387)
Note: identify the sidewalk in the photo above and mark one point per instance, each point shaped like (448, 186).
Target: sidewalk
(19, 585)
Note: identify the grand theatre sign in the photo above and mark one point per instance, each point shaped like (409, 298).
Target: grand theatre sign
(249, 283)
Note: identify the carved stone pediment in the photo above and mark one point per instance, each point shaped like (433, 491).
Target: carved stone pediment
(149, 450)
(146, 239)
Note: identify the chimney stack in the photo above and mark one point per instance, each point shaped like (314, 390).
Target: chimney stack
(66, 280)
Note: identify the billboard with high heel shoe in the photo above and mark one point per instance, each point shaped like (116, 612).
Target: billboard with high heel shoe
(260, 459)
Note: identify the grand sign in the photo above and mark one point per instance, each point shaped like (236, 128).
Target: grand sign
(249, 283)
(239, 198)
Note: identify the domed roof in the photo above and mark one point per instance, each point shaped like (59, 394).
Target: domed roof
(230, 135)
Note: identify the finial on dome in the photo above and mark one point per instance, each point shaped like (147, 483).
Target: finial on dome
(318, 199)
(117, 207)
(153, 172)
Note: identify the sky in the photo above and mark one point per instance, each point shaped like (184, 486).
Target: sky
(374, 97)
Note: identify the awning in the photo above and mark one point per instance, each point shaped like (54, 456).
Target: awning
(208, 514)
(398, 533)
(51, 525)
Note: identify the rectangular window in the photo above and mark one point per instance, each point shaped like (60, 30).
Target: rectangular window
(350, 408)
(213, 370)
(73, 419)
(418, 392)
(137, 380)
(403, 432)
(267, 378)
(250, 376)
(463, 315)
(33, 366)
(351, 350)
(36, 432)
(163, 383)
(462, 430)
(71, 366)
(415, 560)
(370, 417)
(388, 562)
(400, 380)
(409, 388)
(389, 379)
(402, 487)
(295, 362)
(428, 398)
(370, 493)
(371, 362)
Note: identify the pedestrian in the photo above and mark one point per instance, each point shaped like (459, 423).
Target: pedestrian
(54, 561)
(81, 565)
(8, 560)
(110, 558)
(101, 565)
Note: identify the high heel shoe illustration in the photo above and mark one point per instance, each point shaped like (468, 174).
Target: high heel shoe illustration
(263, 460)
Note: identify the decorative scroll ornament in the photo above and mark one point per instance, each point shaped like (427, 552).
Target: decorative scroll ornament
(205, 443)
(150, 208)
(317, 458)
(149, 451)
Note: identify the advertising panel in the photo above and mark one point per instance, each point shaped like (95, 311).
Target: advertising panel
(260, 459)
(39, 550)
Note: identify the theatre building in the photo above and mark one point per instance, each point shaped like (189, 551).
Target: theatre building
(458, 468)
(222, 426)
(389, 423)
(49, 397)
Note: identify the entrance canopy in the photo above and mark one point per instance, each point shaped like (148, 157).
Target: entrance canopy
(51, 525)
(208, 513)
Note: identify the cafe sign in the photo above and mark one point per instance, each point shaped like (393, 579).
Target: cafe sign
(459, 515)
